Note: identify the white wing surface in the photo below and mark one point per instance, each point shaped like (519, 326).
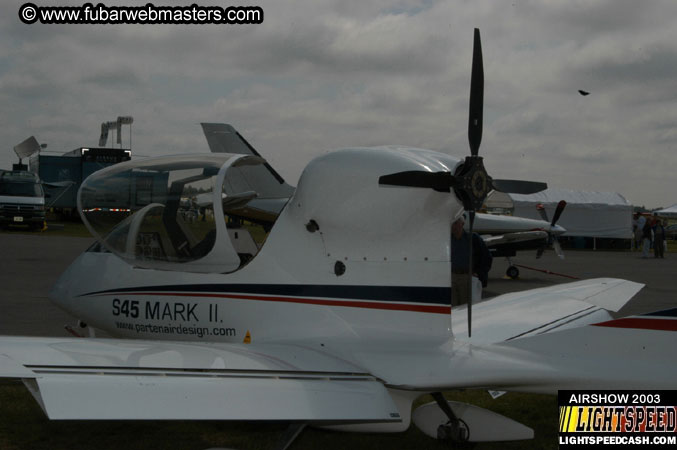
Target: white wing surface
(538, 311)
(629, 353)
(117, 379)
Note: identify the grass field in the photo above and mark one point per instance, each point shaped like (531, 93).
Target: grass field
(24, 426)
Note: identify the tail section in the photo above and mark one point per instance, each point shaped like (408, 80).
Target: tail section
(223, 138)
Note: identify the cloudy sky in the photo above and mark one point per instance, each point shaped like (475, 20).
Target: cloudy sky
(318, 75)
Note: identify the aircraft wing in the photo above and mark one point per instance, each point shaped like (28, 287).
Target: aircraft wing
(625, 354)
(75, 378)
(58, 184)
(537, 311)
(543, 340)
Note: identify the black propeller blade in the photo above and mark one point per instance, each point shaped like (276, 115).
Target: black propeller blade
(476, 183)
(471, 216)
(444, 181)
(558, 212)
(439, 181)
(555, 242)
(552, 239)
(476, 109)
(519, 186)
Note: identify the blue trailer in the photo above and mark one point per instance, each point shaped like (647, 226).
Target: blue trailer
(63, 175)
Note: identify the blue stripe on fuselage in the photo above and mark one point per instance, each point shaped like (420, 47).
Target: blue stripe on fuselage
(415, 294)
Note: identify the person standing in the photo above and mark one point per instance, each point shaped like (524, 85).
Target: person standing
(638, 226)
(646, 238)
(659, 239)
(636, 232)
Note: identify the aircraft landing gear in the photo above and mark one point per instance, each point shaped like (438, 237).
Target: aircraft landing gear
(512, 272)
(455, 430)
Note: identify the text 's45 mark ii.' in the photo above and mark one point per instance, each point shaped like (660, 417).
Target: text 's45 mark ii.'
(156, 310)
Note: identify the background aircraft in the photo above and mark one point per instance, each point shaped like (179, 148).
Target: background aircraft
(506, 235)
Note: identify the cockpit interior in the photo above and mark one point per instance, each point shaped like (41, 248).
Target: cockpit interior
(210, 213)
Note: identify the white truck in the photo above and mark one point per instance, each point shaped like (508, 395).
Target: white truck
(22, 199)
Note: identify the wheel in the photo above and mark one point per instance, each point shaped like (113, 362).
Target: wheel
(513, 272)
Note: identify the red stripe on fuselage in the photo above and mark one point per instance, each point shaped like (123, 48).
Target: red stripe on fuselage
(641, 323)
(434, 309)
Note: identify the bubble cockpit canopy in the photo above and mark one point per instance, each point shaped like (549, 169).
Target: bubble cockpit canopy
(196, 213)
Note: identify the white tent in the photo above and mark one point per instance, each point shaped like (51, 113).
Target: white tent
(668, 212)
(589, 214)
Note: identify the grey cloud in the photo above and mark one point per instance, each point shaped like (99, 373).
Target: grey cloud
(115, 77)
(324, 74)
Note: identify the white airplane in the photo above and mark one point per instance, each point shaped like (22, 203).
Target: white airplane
(340, 319)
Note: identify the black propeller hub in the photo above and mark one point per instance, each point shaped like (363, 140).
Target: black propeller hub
(473, 184)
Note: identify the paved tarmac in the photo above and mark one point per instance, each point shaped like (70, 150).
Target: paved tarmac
(32, 263)
(658, 275)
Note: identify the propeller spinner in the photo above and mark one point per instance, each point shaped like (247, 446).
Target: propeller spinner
(471, 183)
